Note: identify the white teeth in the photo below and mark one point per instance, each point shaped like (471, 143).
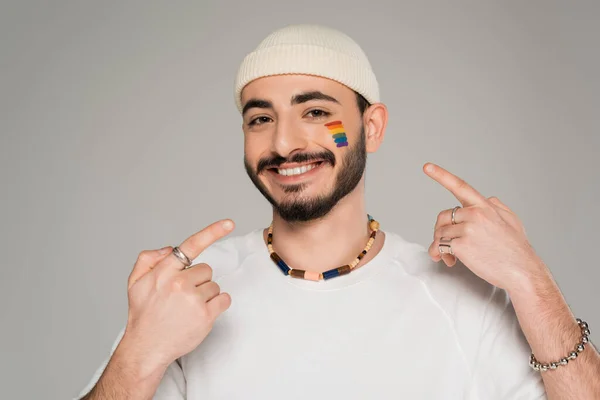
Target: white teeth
(295, 171)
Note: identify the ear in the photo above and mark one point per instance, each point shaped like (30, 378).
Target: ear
(375, 120)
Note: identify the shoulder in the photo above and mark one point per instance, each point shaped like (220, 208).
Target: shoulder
(227, 254)
(482, 317)
(483, 320)
(471, 305)
(446, 284)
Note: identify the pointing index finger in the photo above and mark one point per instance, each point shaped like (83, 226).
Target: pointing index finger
(464, 192)
(199, 241)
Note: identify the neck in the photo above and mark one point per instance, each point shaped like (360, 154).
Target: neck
(330, 242)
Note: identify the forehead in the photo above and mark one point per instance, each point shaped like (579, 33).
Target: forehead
(281, 88)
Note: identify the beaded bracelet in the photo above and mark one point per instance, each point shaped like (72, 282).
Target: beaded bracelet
(585, 332)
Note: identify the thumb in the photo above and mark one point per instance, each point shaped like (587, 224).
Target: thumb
(147, 260)
(449, 259)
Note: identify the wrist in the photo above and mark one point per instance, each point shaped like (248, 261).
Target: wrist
(534, 284)
(127, 375)
(136, 363)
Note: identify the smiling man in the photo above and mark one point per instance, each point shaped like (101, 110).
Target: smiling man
(323, 304)
(304, 185)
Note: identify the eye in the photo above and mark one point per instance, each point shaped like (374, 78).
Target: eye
(316, 113)
(259, 121)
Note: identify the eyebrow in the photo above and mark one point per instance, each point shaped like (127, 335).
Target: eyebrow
(314, 95)
(257, 103)
(297, 99)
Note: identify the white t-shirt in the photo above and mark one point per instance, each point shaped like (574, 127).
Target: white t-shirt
(398, 327)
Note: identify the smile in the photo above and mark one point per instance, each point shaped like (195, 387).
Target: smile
(296, 170)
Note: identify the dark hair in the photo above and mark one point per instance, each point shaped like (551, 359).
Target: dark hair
(362, 103)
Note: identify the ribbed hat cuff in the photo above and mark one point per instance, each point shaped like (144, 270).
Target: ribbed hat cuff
(309, 60)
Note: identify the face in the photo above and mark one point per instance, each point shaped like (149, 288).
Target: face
(304, 146)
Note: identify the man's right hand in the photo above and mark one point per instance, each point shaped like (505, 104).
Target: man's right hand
(172, 309)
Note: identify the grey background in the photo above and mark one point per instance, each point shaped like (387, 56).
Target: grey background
(119, 133)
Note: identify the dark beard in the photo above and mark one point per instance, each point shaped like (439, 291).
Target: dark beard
(303, 210)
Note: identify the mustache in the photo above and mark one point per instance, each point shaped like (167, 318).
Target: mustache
(276, 161)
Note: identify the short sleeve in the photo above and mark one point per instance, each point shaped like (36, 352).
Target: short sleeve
(501, 366)
(98, 373)
(172, 385)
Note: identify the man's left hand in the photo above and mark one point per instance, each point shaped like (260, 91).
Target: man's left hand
(487, 237)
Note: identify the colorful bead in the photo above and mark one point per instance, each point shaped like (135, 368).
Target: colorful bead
(344, 269)
(297, 273)
(332, 273)
(283, 267)
(313, 276)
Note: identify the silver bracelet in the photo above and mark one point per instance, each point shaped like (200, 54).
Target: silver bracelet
(585, 332)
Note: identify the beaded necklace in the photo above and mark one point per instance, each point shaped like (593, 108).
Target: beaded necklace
(316, 276)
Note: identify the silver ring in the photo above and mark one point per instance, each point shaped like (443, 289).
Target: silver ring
(454, 214)
(445, 244)
(182, 257)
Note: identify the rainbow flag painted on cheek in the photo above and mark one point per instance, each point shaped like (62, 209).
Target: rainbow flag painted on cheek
(338, 132)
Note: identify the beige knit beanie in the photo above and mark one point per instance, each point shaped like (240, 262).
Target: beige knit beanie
(312, 50)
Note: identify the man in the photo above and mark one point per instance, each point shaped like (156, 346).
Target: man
(323, 304)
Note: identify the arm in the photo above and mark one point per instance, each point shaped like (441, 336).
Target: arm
(552, 333)
(489, 238)
(128, 376)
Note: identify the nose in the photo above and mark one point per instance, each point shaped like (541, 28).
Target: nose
(287, 139)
